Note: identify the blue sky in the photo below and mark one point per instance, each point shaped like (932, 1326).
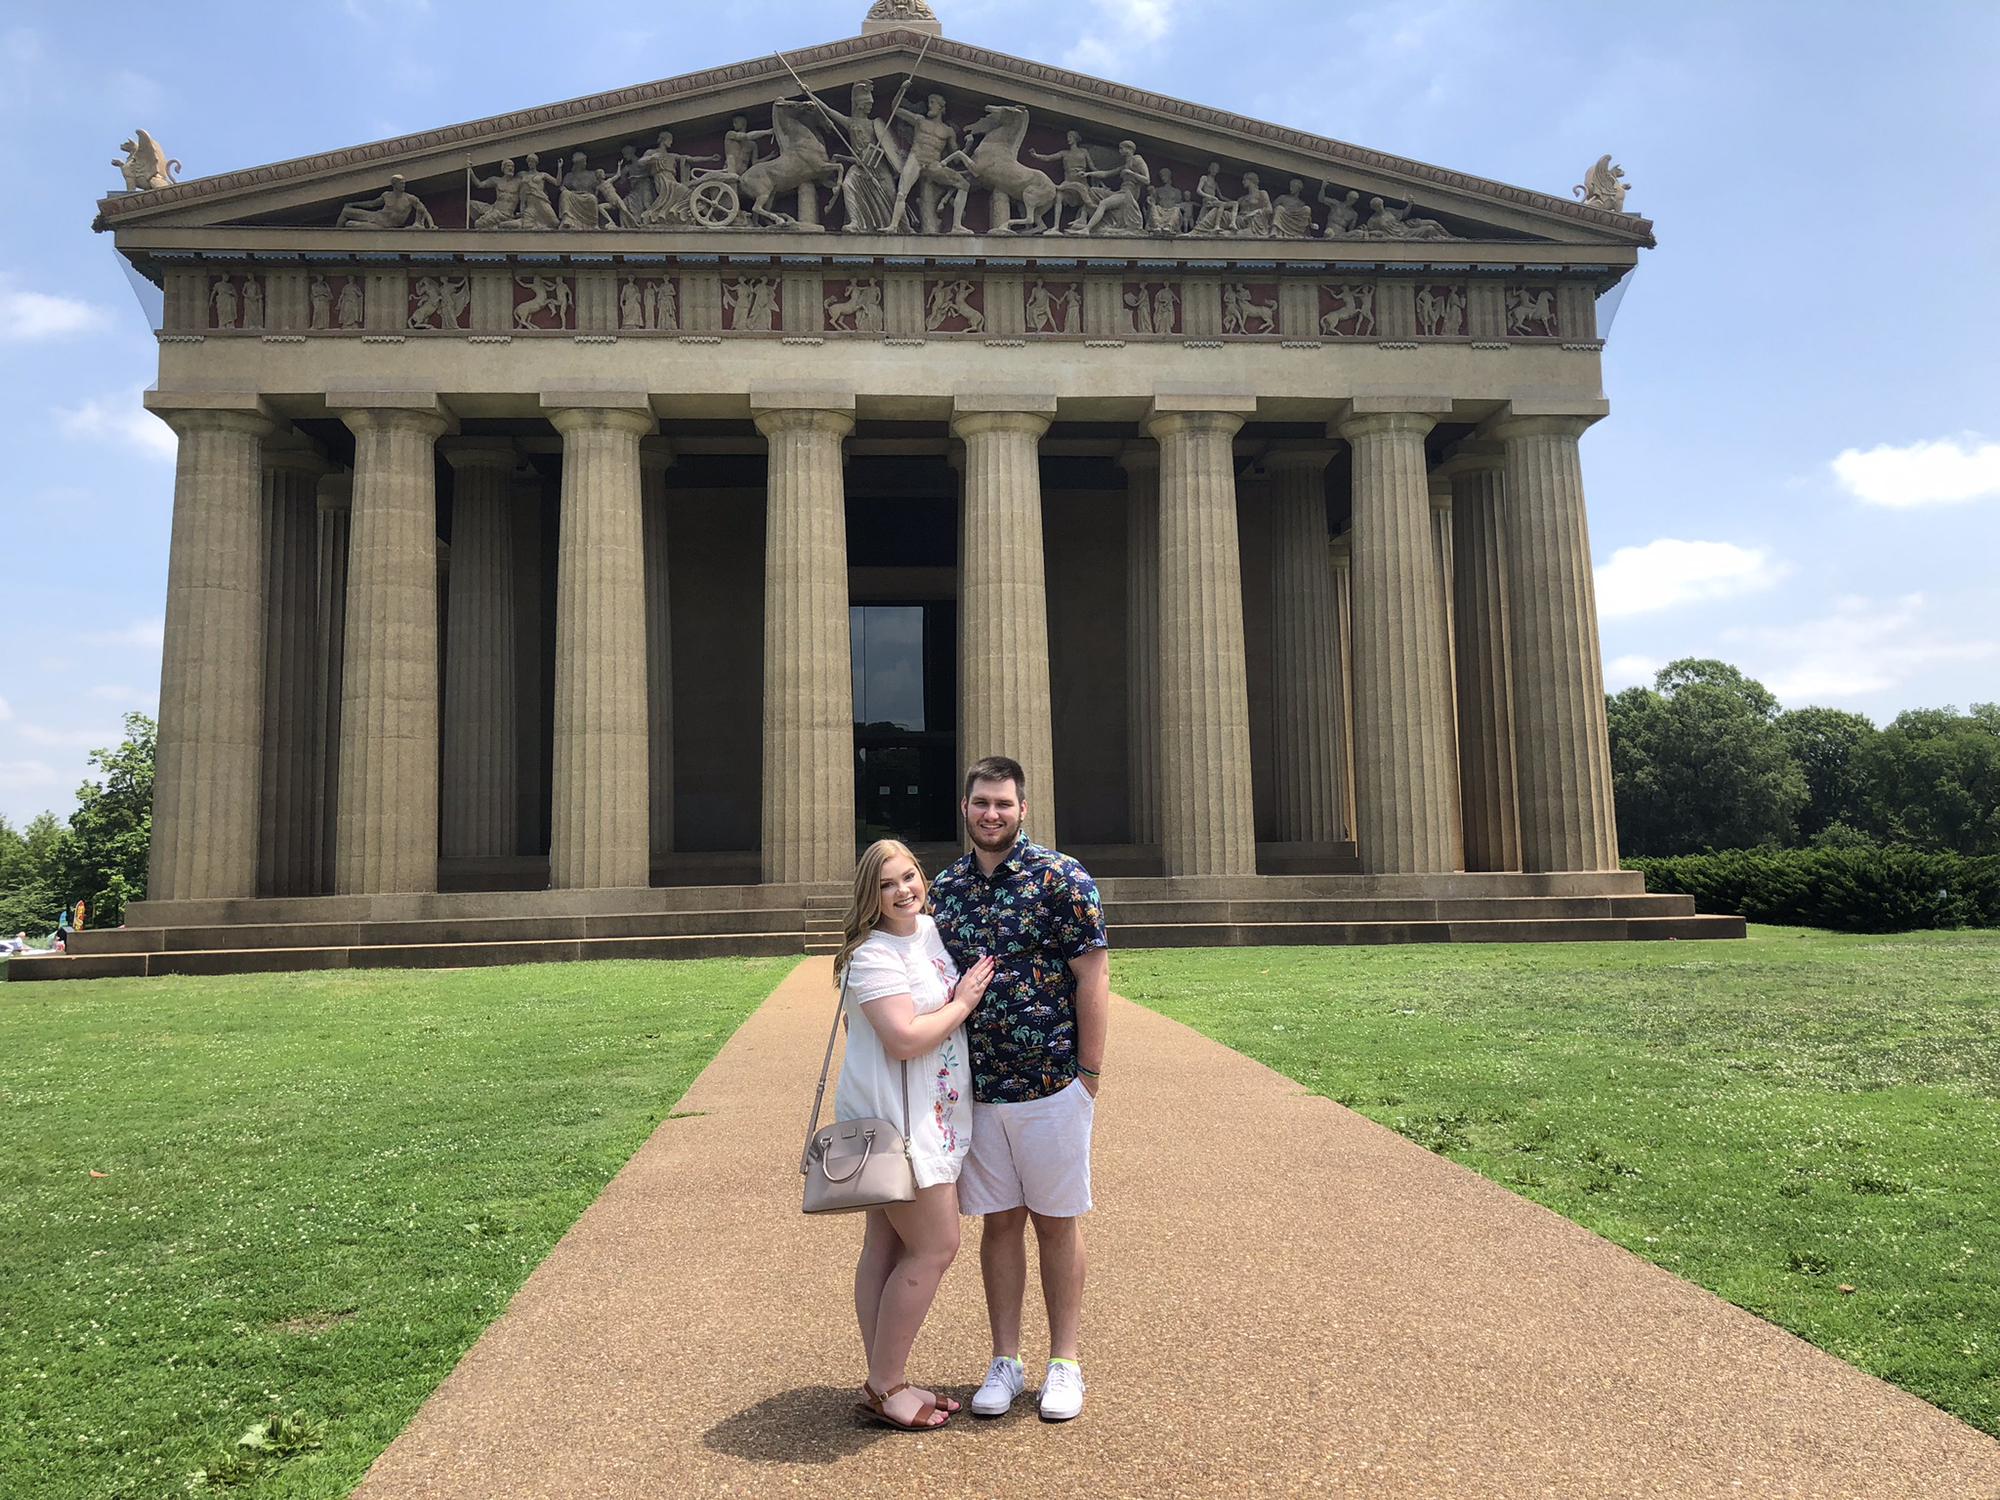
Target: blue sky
(1801, 472)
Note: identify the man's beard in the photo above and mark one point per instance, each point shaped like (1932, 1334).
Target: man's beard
(997, 839)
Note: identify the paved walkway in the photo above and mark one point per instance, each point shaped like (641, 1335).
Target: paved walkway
(1285, 1299)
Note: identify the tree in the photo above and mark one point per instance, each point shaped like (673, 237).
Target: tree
(31, 888)
(1698, 762)
(1826, 743)
(1934, 779)
(104, 854)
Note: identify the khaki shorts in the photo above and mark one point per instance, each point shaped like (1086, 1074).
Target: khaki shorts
(1034, 1155)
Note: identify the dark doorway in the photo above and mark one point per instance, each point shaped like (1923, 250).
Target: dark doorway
(905, 720)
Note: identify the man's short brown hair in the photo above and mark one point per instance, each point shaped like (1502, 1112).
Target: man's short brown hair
(997, 768)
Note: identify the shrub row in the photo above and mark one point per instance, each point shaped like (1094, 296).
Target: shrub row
(1869, 889)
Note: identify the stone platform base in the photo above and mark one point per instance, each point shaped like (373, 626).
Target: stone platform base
(471, 929)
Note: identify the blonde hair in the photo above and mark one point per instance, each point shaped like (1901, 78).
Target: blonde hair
(864, 912)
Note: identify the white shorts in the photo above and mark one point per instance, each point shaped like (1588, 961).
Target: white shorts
(1034, 1155)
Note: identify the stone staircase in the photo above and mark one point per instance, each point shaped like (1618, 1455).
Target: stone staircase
(474, 929)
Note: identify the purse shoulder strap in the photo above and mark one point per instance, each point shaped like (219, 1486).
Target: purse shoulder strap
(826, 1063)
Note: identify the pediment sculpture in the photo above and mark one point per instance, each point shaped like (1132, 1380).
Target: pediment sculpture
(907, 169)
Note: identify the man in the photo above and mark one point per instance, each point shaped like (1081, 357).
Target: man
(932, 140)
(1037, 1043)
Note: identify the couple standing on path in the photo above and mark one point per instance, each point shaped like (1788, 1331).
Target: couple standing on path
(996, 998)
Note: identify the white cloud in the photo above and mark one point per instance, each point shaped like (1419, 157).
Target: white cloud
(24, 775)
(1668, 572)
(5, 712)
(1631, 670)
(1120, 28)
(26, 316)
(111, 692)
(147, 634)
(1863, 646)
(68, 739)
(122, 419)
(1949, 471)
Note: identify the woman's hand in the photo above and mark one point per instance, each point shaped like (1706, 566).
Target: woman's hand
(971, 986)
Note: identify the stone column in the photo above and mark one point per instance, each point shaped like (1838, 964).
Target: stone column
(600, 830)
(1141, 463)
(1405, 776)
(286, 851)
(1340, 555)
(336, 497)
(1562, 752)
(1003, 607)
(480, 742)
(1485, 687)
(808, 669)
(387, 819)
(1207, 822)
(531, 698)
(655, 458)
(209, 751)
(1304, 675)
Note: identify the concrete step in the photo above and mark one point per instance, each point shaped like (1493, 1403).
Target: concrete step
(527, 929)
(1394, 909)
(405, 956)
(1359, 887)
(1340, 934)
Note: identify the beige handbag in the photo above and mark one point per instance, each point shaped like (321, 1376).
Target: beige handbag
(855, 1164)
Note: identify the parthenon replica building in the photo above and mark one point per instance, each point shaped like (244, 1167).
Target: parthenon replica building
(592, 522)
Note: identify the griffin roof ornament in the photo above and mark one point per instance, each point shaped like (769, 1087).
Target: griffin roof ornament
(901, 15)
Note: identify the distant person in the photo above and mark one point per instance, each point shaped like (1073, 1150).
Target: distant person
(18, 943)
(907, 1061)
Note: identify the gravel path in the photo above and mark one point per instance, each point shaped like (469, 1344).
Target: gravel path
(1285, 1299)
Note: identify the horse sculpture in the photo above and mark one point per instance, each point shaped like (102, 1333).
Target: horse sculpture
(995, 164)
(802, 158)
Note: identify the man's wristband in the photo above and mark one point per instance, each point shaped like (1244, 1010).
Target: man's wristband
(1087, 1072)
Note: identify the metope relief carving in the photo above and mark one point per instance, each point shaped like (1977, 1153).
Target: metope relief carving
(1347, 310)
(1441, 312)
(1531, 312)
(954, 307)
(1151, 308)
(442, 303)
(1245, 312)
(856, 307)
(1056, 309)
(649, 304)
(750, 304)
(544, 302)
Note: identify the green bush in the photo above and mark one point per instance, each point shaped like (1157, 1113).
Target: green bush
(1844, 889)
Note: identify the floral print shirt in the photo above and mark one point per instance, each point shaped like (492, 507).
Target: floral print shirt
(1037, 911)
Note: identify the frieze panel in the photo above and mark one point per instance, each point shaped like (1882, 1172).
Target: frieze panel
(649, 304)
(957, 305)
(751, 304)
(1441, 311)
(855, 306)
(1347, 310)
(1531, 312)
(441, 303)
(1249, 308)
(1152, 308)
(1053, 307)
(546, 303)
(236, 302)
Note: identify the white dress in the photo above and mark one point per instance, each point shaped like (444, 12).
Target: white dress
(940, 1098)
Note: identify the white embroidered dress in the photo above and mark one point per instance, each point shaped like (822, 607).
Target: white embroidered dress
(940, 1099)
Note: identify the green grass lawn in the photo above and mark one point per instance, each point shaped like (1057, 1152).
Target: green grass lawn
(316, 1191)
(1806, 1123)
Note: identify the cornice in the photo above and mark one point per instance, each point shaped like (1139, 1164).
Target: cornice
(119, 207)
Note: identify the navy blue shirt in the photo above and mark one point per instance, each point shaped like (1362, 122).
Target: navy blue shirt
(1034, 913)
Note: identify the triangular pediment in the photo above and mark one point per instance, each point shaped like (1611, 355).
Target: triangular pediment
(1014, 108)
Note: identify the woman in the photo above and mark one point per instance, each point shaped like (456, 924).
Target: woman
(906, 1004)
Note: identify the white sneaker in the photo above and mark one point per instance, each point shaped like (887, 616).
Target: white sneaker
(1062, 1391)
(1005, 1380)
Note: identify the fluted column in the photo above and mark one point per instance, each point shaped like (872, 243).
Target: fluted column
(1304, 673)
(209, 751)
(1141, 463)
(336, 498)
(1207, 822)
(1485, 688)
(387, 818)
(1003, 607)
(480, 744)
(600, 830)
(1405, 778)
(1562, 752)
(287, 846)
(1340, 557)
(808, 671)
(655, 458)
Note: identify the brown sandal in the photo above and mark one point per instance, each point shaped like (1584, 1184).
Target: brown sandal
(876, 1408)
